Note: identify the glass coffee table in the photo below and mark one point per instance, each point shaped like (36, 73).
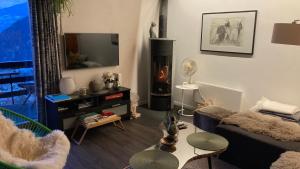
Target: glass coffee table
(185, 151)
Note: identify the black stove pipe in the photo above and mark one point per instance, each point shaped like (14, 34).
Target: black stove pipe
(163, 19)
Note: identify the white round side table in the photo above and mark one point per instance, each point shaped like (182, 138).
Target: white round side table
(184, 87)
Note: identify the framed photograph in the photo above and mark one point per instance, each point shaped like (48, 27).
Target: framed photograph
(231, 32)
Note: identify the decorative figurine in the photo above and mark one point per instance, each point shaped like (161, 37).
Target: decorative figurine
(134, 103)
(168, 142)
(151, 31)
(96, 84)
(116, 81)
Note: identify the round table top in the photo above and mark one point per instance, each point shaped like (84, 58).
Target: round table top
(207, 141)
(153, 159)
(187, 86)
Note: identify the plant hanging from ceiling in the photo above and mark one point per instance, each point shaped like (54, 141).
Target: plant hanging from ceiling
(63, 6)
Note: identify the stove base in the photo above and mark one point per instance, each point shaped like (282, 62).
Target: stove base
(160, 103)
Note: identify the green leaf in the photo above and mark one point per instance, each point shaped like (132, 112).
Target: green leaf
(62, 6)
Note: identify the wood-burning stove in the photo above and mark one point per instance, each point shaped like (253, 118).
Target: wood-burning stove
(161, 64)
(161, 73)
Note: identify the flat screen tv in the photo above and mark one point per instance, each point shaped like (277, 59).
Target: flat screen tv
(89, 50)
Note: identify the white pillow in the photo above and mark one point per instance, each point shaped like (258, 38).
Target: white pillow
(266, 104)
(296, 116)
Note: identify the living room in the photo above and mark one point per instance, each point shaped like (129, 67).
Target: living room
(181, 84)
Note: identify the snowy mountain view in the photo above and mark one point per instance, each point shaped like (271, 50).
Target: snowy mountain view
(9, 3)
(16, 45)
(15, 35)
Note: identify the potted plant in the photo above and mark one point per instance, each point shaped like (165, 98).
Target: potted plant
(108, 79)
(116, 81)
(62, 6)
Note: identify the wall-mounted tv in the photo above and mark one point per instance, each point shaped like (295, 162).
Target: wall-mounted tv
(89, 50)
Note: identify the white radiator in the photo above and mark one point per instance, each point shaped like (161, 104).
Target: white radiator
(225, 97)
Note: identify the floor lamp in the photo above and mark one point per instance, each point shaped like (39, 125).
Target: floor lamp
(286, 33)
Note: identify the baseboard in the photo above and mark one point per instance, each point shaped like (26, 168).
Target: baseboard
(190, 107)
(143, 102)
(177, 103)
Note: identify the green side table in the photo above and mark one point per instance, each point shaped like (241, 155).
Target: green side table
(153, 159)
(209, 142)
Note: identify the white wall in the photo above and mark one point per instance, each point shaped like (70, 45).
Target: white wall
(106, 16)
(273, 70)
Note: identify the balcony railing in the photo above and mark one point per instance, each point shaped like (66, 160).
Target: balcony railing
(18, 77)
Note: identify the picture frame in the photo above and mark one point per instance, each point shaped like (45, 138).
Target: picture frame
(229, 32)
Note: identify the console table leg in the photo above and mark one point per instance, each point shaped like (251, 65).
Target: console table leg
(121, 126)
(78, 142)
(121, 123)
(84, 133)
(209, 162)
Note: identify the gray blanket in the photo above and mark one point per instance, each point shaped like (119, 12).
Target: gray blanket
(268, 125)
(215, 112)
(287, 160)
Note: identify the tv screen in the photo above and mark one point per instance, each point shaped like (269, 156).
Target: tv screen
(89, 50)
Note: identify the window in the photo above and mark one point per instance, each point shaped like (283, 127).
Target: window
(16, 69)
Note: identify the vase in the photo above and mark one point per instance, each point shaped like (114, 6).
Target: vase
(67, 85)
(115, 85)
(96, 85)
(109, 85)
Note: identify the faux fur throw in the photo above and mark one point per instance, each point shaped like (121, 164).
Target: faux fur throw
(215, 112)
(265, 124)
(21, 148)
(287, 160)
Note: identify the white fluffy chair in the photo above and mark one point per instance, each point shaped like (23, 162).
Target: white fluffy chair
(23, 149)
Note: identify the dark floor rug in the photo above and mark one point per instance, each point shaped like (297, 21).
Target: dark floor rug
(108, 147)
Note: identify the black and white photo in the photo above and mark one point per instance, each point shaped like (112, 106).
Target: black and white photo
(228, 32)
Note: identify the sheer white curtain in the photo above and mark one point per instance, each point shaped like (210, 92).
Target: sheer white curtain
(149, 13)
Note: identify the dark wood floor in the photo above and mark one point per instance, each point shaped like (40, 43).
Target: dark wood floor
(108, 147)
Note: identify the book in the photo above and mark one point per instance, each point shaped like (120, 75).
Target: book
(90, 118)
(58, 97)
(114, 96)
(85, 105)
(107, 113)
(60, 109)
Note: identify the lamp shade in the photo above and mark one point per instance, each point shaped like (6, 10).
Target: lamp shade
(286, 33)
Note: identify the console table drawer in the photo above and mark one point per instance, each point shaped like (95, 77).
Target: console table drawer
(113, 103)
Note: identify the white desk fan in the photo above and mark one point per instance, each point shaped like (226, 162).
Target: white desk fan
(188, 69)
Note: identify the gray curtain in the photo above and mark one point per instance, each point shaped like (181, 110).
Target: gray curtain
(47, 51)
